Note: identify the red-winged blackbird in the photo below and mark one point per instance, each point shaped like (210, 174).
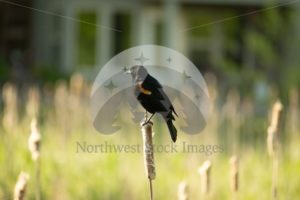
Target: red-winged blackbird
(150, 94)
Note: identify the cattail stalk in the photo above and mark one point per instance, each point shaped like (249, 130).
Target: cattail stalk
(10, 112)
(182, 191)
(20, 187)
(34, 147)
(204, 172)
(34, 141)
(234, 174)
(33, 102)
(273, 143)
(148, 154)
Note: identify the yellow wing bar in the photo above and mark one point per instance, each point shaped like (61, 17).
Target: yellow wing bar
(143, 90)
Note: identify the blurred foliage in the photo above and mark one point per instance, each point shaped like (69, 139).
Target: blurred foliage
(256, 62)
(86, 38)
(122, 40)
(4, 70)
(47, 74)
(255, 48)
(67, 174)
(242, 51)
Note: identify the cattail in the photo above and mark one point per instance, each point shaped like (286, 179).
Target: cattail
(204, 171)
(33, 102)
(272, 144)
(148, 154)
(10, 114)
(182, 191)
(76, 91)
(148, 151)
(61, 106)
(34, 141)
(277, 107)
(34, 147)
(76, 84)
(75, 100)
(273, 128)
(234, 176)
(231, 113)
(20, 187)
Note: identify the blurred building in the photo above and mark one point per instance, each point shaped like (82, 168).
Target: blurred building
(82, 34)
(15, 40)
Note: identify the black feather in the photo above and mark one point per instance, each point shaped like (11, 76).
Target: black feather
(157, 101)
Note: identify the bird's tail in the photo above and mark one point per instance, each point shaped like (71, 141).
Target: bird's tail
(172, 130)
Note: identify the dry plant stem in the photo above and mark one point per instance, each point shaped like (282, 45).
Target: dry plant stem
(234, 173)
(273, 152)
(37, 180)
(34, 143)
(151, 189)
(272, 144)
(148, 154)
(275, 177)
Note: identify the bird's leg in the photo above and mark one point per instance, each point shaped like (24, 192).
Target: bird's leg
(145, 118)
(146, 115)
(147, 121)
(150, 117)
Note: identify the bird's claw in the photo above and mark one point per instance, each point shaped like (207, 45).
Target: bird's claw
(147, 122)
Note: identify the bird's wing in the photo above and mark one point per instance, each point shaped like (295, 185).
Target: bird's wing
(152, 85)
(153, 81)
(167, 104)
(140, 88)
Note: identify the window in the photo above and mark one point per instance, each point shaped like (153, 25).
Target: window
(121, 40)
(86, 41)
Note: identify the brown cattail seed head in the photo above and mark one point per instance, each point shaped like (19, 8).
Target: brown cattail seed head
(34, 141)
(182, 191)
(148, 151)
(20, 187)
(204, 171)
(234, 173)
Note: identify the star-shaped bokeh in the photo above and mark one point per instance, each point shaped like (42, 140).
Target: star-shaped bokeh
(111, 86)
(185, 76)
(142, 59)
(169, 60)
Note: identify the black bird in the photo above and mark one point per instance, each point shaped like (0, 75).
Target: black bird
(150, 94)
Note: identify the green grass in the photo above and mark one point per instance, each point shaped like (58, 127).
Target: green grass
(66, 174)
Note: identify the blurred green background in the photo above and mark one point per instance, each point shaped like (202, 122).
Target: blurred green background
(50, 51)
